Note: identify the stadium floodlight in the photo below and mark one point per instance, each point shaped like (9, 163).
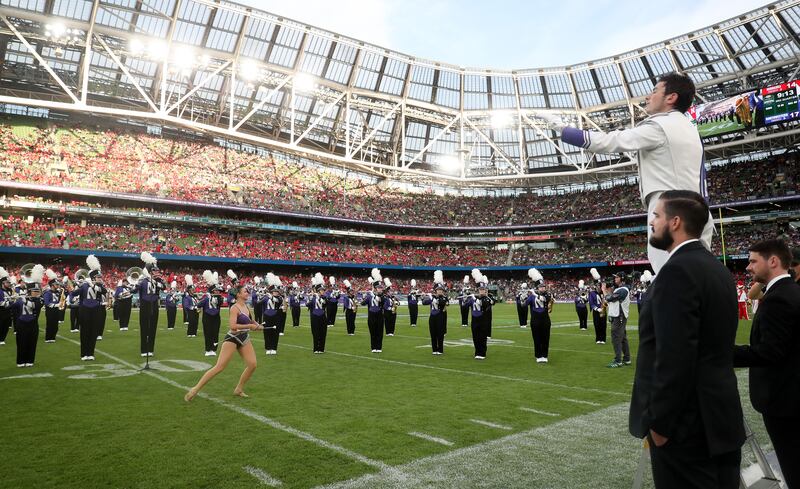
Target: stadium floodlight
(501, 119)
(450, 163)
(248, 70)
(303, 82)
(183, 57)
(56, 30)
(136, 47)
(157, 49)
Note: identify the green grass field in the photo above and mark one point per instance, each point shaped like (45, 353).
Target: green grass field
(348, 418)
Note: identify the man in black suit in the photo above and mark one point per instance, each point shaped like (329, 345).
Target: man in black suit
(774, 354)
(685, 396)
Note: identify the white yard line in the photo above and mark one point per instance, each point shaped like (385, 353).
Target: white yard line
(434, 439)
(255, 416)
(262, 476)
(491, 425)
(536, 411)
(468, 372)
(578, 401)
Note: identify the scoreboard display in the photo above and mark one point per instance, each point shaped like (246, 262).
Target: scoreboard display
(781, 102)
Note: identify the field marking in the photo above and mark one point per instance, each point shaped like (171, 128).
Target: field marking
(262, 476)
(258, 417)
(578, 401)
(536, 411)
(27, 376)
(525, 459)
(468, 372)
(434, 439)
(491, 425)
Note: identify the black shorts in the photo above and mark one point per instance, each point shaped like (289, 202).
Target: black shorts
(239, 339)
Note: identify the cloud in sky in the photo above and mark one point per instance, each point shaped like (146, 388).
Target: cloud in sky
(509, 34)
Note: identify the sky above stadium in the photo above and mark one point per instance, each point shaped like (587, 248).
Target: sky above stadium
(509, 34)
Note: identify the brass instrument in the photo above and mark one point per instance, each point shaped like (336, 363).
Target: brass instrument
(25, 271)
(395, 303)
(81, 275)
(62, 302)
(133, 274)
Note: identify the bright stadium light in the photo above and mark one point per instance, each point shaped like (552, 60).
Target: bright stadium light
(501, 120)
(183, 57)
(157, 49)
(303, 82)
(450, 163)
(205, 60)
(136, 47)
(248, 70)
(56, 30)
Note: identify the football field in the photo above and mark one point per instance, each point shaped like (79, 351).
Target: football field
(348, 418)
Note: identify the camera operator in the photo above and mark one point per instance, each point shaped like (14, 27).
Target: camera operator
(618, 296)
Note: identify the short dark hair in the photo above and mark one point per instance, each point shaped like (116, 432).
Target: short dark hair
(774, 247)
(690, 207)
(682, 86)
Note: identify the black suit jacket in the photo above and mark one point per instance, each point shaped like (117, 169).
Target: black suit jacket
(685, 387)
(774, 351)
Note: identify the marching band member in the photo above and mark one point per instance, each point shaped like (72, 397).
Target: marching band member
(105, 301)
(91, 294)
(390, 307)
(74, 304)
(598, 305)
(257, 295)
(295, 298)
(375, 302)
(480, 307)
(240, 323)
(741, 292)
(644, 281)
(331, 302)
(6, 301)
(211, 303)
(26, 310)
(53, 302)
(189, 304)
(231, 288)
(171, 304)
(150, 286)
(122, 305)
(438, 302)
(580, 306)
(464, 308)
(541, 304)
(316, 308)
(281, 310)
(66, 286)
(413, 303)
(349, 305)
(272, 303)
(522, 309)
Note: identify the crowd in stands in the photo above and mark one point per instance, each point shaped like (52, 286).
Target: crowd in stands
(46, 232)
(207, 172)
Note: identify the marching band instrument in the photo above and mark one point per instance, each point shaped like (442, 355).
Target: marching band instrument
(133, 274)
(81, 274)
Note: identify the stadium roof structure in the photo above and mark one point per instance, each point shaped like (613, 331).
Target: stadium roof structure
(240, 73)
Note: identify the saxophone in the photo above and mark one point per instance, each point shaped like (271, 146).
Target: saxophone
(395, 303)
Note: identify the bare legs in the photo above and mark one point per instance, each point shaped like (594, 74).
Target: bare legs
(249, 356)
(225, 356)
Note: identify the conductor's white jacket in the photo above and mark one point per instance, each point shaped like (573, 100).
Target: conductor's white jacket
(669, 151)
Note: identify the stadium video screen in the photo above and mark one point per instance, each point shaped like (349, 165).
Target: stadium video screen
(781, 102)
(737, 113)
